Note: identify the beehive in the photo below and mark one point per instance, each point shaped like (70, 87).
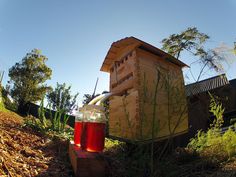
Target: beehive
(149, 101)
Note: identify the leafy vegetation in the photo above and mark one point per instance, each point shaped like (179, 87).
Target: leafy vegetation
(151, 159)
(8, 103)
(28, 77)
(1, 100)
(2, 108)
(61, 98)
(63, 103)
(193, 41)
(214, 142)
(54, 125)
(205, 155)
(88, 98)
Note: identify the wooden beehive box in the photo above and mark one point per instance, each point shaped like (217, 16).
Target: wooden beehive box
(149, 101)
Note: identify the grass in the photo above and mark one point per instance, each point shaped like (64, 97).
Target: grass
(2, 108)
(34, 123)
(129, 160)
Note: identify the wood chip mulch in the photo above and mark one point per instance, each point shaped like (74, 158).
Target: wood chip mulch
(26, 153)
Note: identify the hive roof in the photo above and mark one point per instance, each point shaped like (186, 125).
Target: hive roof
(131, 43)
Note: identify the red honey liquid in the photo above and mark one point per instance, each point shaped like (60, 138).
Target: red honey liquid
(78, 128)
(95, 136)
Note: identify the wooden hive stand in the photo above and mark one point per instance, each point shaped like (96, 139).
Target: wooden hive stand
(87, 164)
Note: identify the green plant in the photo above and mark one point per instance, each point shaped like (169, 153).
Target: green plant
(8, 103)
(67, 134)
(1, 99)
(62, 103)
(58, 119)
(28, 78)
(217, 110)
(53, 125)
(60, 98)
(110, 144)
(233, 120)
(41, 114)
(213, 142)
(35, 124)
(41, 123)
(176, 107)
(154, 126)
(198, 143)
(193, 41)
(2, 108)
(229, 142)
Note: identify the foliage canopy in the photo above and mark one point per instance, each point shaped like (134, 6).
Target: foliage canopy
(193, 41)
(61, 98)
(28, 78)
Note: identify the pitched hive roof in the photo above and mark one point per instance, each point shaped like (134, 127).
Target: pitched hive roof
(131, 43)
(206, 85)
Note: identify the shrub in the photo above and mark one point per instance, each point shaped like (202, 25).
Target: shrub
(229, 142)
(2, 108)
(8, 103)
(214, 142)
(54, 125)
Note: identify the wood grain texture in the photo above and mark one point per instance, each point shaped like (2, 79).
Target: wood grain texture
(87, 164)
(131, 113)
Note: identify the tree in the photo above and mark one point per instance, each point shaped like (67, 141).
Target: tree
(28, 78)
(88, 98)
(61, 99)
(193, 41)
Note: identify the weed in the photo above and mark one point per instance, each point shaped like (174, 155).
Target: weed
(214, 143)
(54, 126)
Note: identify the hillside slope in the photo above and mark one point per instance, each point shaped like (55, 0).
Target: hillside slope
(24, 152)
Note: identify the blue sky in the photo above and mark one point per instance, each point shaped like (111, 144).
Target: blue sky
(76, 35)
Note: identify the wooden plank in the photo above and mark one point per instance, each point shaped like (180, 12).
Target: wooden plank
(87, 164)
(139, 99)
(165, 100)
(120, 71)
(122, 121)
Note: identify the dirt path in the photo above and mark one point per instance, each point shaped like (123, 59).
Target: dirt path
(26, 153)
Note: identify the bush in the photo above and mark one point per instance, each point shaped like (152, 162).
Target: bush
(229, 142)
(2, 108)
(8, 104)
(54, 125)
(214, 142)
(36, 124)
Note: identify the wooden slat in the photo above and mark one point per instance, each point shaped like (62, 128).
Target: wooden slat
(148, 67)
(139, 98)
(123, 114)
(87, 164)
